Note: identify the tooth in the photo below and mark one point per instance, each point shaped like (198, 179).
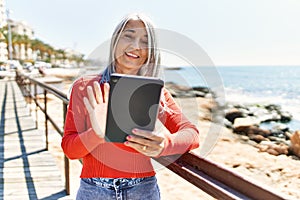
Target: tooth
(133, 55)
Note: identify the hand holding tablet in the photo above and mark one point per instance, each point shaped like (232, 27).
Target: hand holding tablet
(133, 103)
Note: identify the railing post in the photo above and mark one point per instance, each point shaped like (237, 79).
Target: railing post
(67, 162)
(36, 107)
(67, 174)
(30, 98)
(46, 118)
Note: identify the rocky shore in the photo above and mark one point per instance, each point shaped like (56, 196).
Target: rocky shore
(267, 154)
(246, 120)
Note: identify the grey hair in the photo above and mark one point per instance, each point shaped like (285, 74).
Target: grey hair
(152, 65)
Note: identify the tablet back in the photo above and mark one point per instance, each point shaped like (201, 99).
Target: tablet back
(133, 103)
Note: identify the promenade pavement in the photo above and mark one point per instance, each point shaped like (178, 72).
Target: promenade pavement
(27, 170)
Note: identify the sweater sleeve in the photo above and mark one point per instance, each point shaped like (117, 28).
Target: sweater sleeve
(79, 138)
(183, 135)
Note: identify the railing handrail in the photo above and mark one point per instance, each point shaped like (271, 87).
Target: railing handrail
(210, 177)
(59, 94)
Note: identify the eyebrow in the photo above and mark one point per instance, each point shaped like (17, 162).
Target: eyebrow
(129, 30)
(133, 31)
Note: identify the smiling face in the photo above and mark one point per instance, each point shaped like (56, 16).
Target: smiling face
(132, 48)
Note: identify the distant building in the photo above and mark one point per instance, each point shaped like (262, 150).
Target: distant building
(21, 51)
(21, 28)
(3, 49)
(3, 45)
(2, 13)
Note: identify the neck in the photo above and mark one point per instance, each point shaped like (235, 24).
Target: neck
(126, 71)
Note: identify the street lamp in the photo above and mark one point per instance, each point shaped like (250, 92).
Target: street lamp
(9, 35)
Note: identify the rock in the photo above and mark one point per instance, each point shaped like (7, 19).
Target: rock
(268, 117)
(286, 116)
(209, 105)
(281, 149)
(271, 107)
(202, 89)
(278, 133)
(257, 138)
(267, 143)
(252, 143)
(245, 138)
(233, 114)
(273, 149)
(295, 143)
(280, 127)
(185, 91)
(288, 135)
(227, 123)
(277, 139)
(245, 122)
(252, 130)
(272, 152)
(258, 111)
(199, 93)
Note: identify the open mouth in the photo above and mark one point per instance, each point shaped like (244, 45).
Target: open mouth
(131, 55)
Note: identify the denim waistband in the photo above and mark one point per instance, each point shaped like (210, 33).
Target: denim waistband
(116, 182)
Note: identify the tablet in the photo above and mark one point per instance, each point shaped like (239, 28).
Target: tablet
(133, 103)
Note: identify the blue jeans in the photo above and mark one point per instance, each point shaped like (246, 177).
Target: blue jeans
(118, 189)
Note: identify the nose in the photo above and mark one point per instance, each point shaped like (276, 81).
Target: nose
(136, 44)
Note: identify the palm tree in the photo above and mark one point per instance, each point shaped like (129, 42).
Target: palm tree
(27, 44)
(43, 50)
(38, 47)
(16, 41)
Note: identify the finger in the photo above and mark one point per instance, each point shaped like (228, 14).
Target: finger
(140, 140)
(87, 105)
(106, 92)
(144, 149)
(98, 92)
(147, 134)
(136, 146)
(91, 96)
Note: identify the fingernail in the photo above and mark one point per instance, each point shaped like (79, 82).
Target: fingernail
(126, 143)
(134, 130)
(129, 137)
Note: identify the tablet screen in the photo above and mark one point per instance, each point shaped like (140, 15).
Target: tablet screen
(133, 103)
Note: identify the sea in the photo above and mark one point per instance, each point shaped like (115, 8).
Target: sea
(247, 84)
(278, 85)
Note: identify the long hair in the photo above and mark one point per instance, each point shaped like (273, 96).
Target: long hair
(152, 65)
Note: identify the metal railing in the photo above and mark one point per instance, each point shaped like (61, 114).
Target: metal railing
(217, 181)
(25, 83)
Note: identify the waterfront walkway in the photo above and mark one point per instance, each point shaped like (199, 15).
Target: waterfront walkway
(27, 170)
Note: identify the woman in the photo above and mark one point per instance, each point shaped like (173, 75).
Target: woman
(123, 170)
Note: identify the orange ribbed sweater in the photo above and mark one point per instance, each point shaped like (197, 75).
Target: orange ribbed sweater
(115, 160)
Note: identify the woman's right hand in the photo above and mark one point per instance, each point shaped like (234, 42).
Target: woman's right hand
(96, 106)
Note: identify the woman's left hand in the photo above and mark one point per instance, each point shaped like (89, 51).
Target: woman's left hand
(145, 142)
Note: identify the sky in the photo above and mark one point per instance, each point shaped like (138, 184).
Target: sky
(231, 32)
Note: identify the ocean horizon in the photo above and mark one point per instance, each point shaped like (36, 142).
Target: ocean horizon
(249, 84)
